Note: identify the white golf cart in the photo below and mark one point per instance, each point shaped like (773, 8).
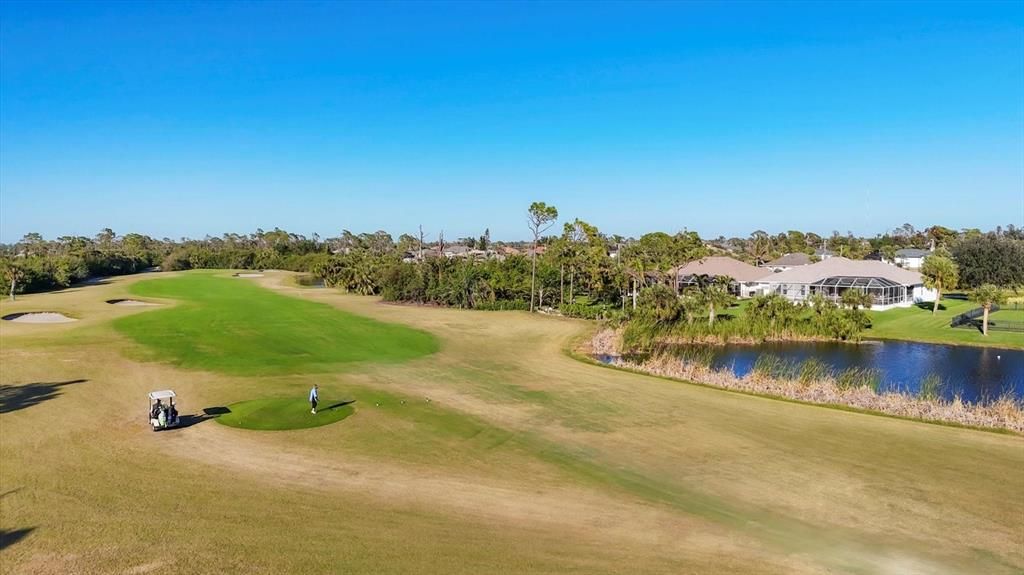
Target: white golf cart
(162, 411)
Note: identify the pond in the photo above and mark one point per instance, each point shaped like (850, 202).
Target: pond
(977, 374)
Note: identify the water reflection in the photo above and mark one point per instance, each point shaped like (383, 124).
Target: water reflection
(974, 373)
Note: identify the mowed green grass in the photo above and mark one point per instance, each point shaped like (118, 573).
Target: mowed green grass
(281, 413)
(918, 323)
(231, 325)
(1008, 314)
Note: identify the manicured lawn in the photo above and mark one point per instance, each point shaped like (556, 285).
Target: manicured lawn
(1007, 313)
(917, 323)
(232, 325)
(284, 413)
(736, 310)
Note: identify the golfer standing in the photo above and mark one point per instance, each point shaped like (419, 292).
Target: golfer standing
(313, 397)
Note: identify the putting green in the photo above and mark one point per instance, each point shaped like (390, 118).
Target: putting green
(275, 414)
(233, 326)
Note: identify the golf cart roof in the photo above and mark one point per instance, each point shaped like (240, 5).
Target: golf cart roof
(163, 394)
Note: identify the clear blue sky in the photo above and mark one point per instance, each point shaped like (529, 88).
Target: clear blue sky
(195, 118)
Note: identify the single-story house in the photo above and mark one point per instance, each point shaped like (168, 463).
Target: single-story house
(911, 258)
(744, 276)
(889, 285)
(788, 261)
(456, 250)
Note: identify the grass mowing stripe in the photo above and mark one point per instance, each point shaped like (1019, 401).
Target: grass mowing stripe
(232, 326)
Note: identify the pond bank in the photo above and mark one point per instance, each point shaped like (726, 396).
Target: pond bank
(825, 389)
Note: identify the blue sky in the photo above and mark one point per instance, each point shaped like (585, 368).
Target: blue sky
(183, 119)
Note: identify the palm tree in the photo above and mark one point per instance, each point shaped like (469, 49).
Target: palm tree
(987, 296)
(774, 310)
(713, 293)
(940, 272)
(13, 273)
(856, 298)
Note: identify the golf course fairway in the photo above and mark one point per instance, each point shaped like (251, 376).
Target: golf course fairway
(474, 444)
(230, 325)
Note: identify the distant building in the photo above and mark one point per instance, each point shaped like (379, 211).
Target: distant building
(788, 261)
(456, 250)
(743, 275)
(911, 258)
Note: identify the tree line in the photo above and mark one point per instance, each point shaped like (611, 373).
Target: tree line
(576, 268)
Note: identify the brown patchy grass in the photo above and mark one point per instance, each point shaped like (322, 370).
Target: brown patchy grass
(524, 461)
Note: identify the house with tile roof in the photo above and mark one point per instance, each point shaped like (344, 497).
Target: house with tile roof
(743, 276)
(788, 261)
(890, 286)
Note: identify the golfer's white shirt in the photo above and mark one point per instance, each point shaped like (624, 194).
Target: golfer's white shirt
(313, 395)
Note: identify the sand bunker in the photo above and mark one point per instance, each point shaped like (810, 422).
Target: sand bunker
(130, 302)
(249, 275)
(39, 317)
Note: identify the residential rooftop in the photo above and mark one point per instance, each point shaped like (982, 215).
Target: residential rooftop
(840, 266)
(723, 266)
(797, 259)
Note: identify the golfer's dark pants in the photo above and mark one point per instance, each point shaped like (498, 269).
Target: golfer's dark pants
(313, 402)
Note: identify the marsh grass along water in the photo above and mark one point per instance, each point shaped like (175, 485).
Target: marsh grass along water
(974, 374)
(931, 371)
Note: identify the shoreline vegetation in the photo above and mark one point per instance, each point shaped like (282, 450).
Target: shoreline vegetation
(813, 382)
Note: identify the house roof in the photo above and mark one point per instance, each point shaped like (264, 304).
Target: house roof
(840, 266)
(912, 253)
(797, 259)
(723, 266)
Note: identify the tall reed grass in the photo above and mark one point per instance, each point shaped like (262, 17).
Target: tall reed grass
(814, 381)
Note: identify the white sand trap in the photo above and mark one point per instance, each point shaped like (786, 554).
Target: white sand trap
(39, 317)
(130, 302)
(250, 275)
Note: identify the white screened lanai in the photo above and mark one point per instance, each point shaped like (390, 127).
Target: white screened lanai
(884, 292)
